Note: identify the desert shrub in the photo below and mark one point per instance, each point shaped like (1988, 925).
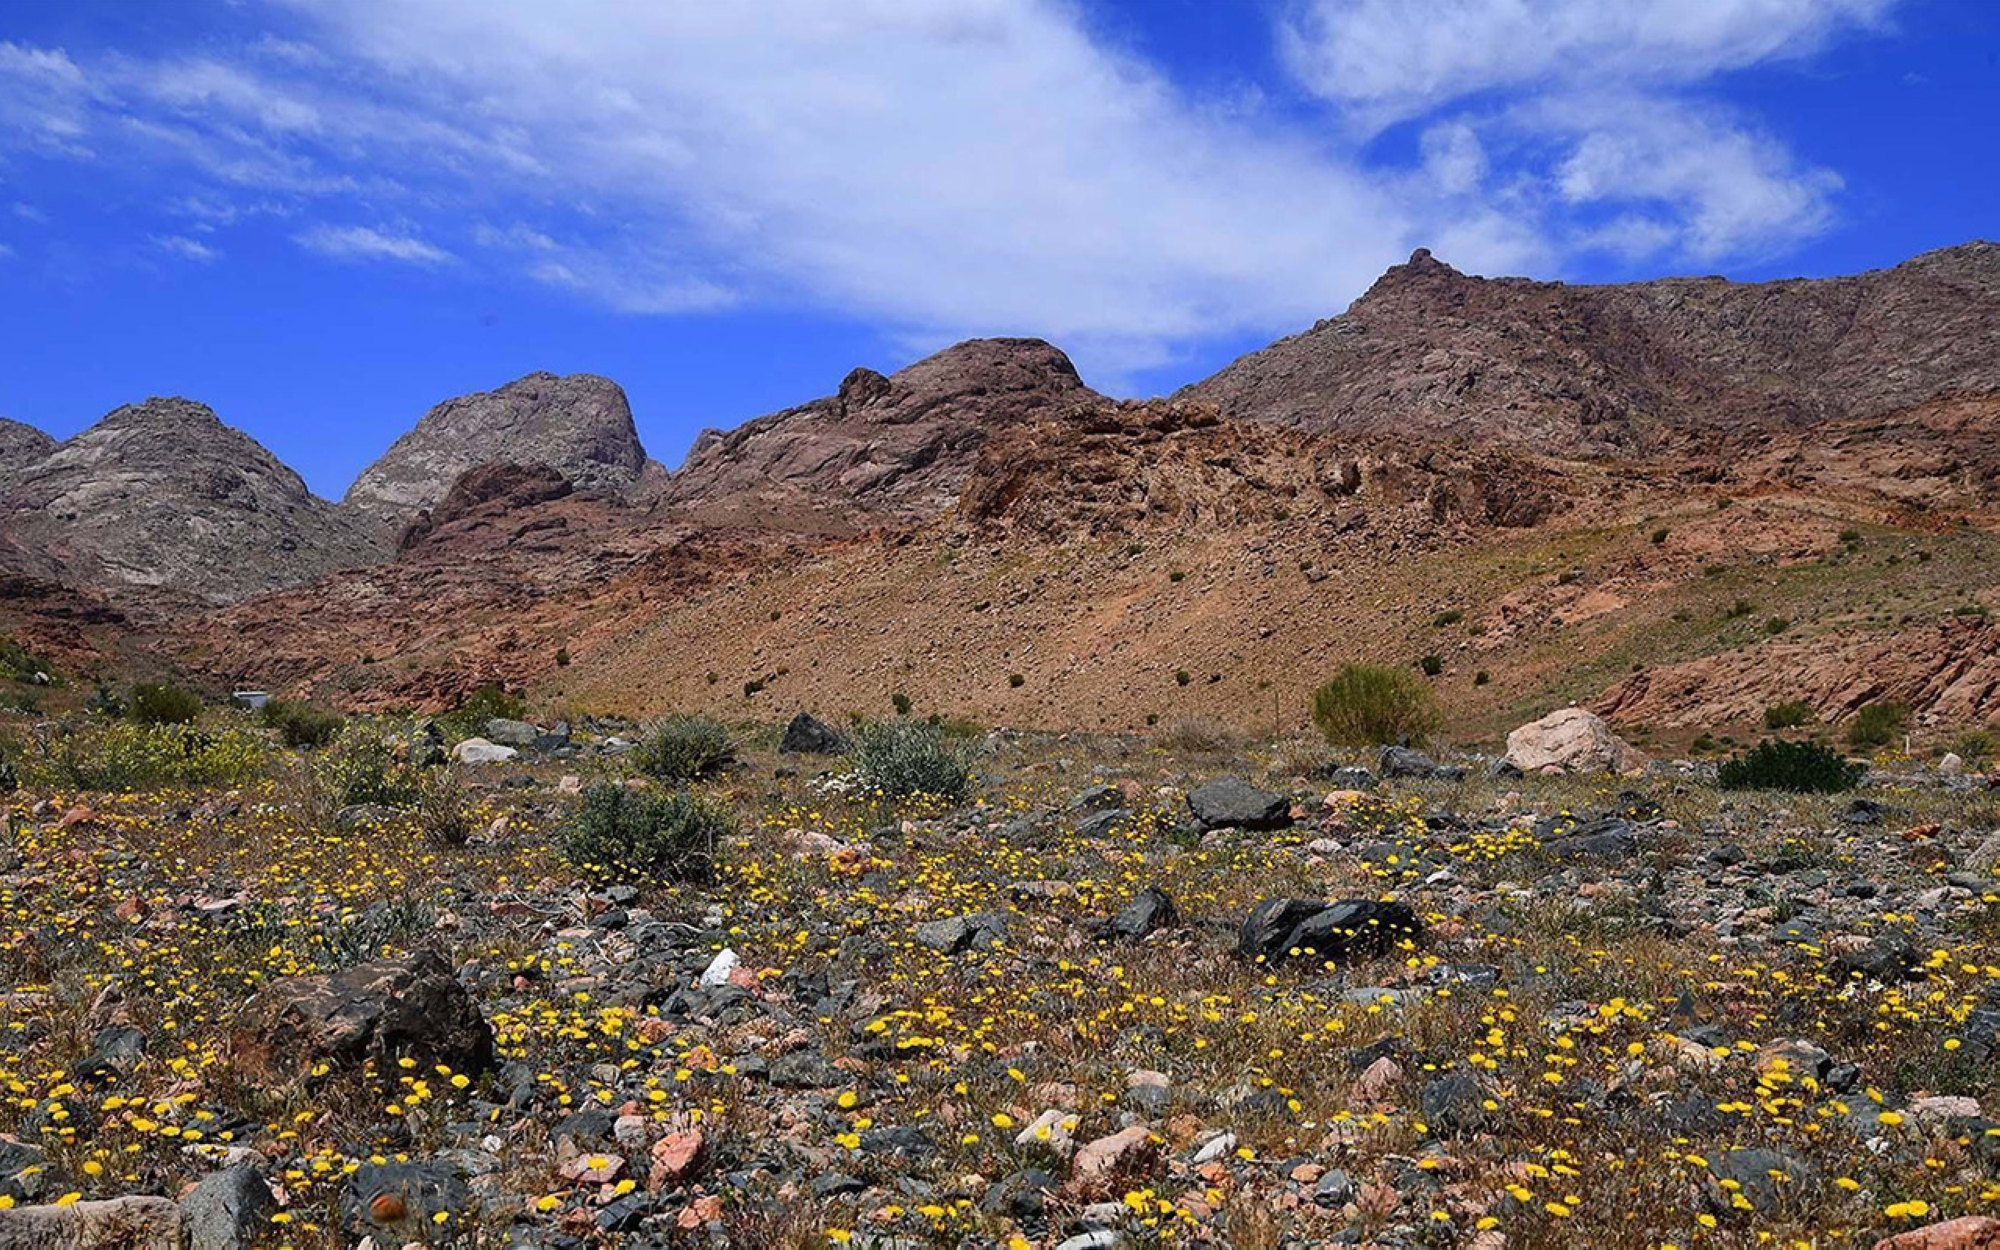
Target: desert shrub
(1877, 725)
(104, 701)
(1015, 681)
(1799, 767)
(1703, 744)
(1742, 607)
(444, 812)
(300, 725)
(1449, 617)
(684, 748)
(127, 757)
(1777, 625)
(901, 702)
(1659, 535)
(361, 766)
(902, 759)
(1974, 746)
(163, 703)
(482, 705)
(1431, 665)
(21, 664)
(10, 779)
(1197, 735)
(1481, 677)
(1790, 714)
(1182, 677)
(626, 835)
(1367, 705)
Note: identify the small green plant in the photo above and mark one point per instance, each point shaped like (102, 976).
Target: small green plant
(10, 780)
(753, 687)
(1368, 705)
(21, 664)
(1450, 616)
(1431, 665)
(300, 725)
(444, 812)
(1015, 681)
(1182, 677)
(1175, 575)
(902, 759)
(684, 748)
(562, 657)
(1481, 677)
(361, 766)
(1790, 714)
(484, 704)
(618, 834)
(1850, 538)
(901, 702)
(1797, 767)
(1703, 744)
(1974, 746)
(1741, 608)
(163, 703)
(1660, 536)
(1877, 725)
(1776, 625)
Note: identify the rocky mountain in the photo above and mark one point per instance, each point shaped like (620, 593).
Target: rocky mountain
(1635, 368)
(160, 501)
(882, 449)
(21, 446)
(579, 424)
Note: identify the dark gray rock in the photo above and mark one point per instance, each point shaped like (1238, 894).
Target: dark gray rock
(957, 934)
(1152, 911)
(1770, 1180)
(1234, 803)
(809, 735)
(227, 1209)
(399, 1200)
(1341, 932)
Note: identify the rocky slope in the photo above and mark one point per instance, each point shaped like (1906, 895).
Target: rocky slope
(580, 425)
(882, 449)
(21, 447)
(163, 503)
(1641, 367)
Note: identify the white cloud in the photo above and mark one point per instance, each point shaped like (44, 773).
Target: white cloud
(365, 243)
(1398, 58)
(952, 167)
(185, 248)
(1599, 104)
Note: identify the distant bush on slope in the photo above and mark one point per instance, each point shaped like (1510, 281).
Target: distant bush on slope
(1368, 705)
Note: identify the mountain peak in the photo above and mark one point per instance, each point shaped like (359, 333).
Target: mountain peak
(579, 424)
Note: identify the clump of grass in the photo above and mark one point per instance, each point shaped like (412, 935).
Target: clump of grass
(1877, 725)
(484, 704)
(444, 812)
(909, 759)
(1790, 714)
(361, 767)
(163, 703)
(300, 725)
(685, 748)
(1974, 746)
(1367, 705)
(1451, 616)
(1431, 665)
(1196, 735)
(1797, 767)
(618, 834)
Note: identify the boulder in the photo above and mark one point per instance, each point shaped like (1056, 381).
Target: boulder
(1571, 741)
(1352, 929)
(1404, 762)
(132, 1223)
(481, 751)
(381, 1011)
(1234, 803)
(1151, 911)
(1952, 765)
(957, 934)
(809, 735)
(511, 733)
(1967, 1232)
(396, 1203)
(225, 1211)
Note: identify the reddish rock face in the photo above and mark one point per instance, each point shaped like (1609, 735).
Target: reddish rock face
(895, 448)
(1606, 370)
(381, 1011)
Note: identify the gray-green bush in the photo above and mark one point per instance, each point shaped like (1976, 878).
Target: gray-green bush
(1368, 705)
(684, 748)
(631, 836)
(908, 759)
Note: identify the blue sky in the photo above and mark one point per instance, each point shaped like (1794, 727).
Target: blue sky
(322, 216)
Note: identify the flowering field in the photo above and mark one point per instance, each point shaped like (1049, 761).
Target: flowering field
(1621, 1012)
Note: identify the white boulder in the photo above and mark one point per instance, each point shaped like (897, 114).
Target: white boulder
(1571, 741)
